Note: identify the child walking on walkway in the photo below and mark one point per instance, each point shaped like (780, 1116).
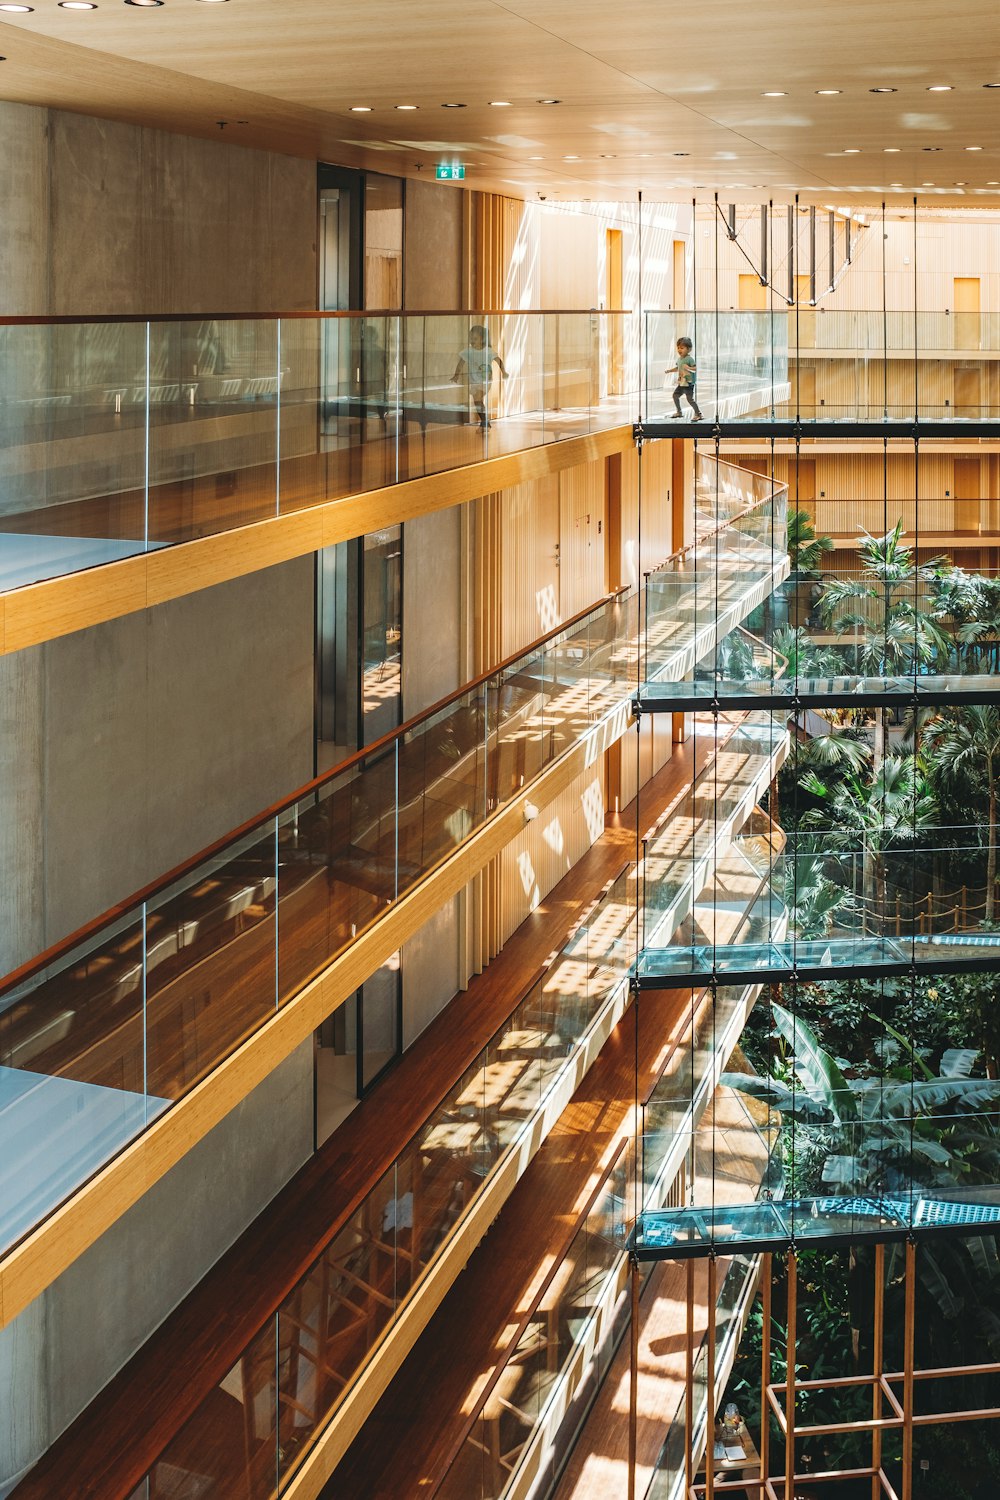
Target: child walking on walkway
(686, 370)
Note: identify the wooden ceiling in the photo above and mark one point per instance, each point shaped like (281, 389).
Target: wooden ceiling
(653, 96)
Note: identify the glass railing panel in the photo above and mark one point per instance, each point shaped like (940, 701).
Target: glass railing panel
(73, 418)
(741, 364)
(119, 437)
(213, 393)
(73, 1083)
(337, 866)
(444, 764)
(210, 950)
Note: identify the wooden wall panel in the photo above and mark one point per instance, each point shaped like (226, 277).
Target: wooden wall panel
(531, 573)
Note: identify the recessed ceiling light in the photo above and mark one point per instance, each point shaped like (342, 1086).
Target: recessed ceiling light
(993, 183)
(213, 2)
(940, 88)
(973, 148)
(895, 184)
(536, 158)
(882, 90)
(77, 5)
(892, 150)
(608, 156)
(829, 91)
(548, 101)
(961, 184)
(144, 3)
(21, 10)
(932, 148)
(774, 94)
(500, 104)
(453, 106)
(571, 158)
(852, 150)
(361, 109)
(406, 106)
(680, 153)
(927, 184)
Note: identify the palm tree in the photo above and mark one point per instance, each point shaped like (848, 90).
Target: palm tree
(805, 548)
(964, 738)
(874, 813)
(972, 603)
(811, 898)
(906, 634)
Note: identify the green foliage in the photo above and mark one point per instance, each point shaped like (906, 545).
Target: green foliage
(805, 547)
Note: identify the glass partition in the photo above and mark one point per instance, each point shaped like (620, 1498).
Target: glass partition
(293, 1374)
(121, 437)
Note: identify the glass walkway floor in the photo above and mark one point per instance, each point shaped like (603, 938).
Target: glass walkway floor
(686, 1233)
(866, 954)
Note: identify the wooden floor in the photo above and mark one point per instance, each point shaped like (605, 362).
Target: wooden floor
(418, 1429)
(179, 1373)
(598, 1466)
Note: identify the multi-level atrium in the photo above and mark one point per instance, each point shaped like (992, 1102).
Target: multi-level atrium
(500, 960)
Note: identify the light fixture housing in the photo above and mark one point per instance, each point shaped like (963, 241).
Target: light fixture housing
(940, 88)
(21, 10)
(453, 106)
(361, 109)
(406, 106)
(144, 4)
(77, 4)
(548, 101)
(884, 89)
(829, 91)
(774, 94)
(499, 104)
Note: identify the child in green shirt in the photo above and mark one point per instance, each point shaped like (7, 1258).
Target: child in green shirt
(686, 370)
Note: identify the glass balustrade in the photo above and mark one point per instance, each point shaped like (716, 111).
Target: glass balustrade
(100, 1036)
(121, 437)
(818, 364)
(923, 896)
(561, 1322)
(291, 1377)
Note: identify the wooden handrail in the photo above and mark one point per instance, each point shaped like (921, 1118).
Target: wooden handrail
(62, 320)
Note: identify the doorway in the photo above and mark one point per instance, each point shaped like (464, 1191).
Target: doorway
(356, 1045)
(613, 303)
(967, 325)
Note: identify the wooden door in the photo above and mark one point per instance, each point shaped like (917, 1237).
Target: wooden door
(613, 302)
(582, 502)
(968, 390)
(966, 312)
(753, 296)
(967, 495)
(802, 485)
(680, 274)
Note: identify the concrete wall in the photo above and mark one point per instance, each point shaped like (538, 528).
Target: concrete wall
(433, 247)
(70, 1342)
(103, 217)
(433, 626)
(126, 748)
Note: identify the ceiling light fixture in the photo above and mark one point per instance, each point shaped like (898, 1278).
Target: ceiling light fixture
(536, 158)
(453, 106)
(571, 158)
(22, 10)
(406, 106)
(77, 5)
(927, 184)
(829, 91)
(940, 88)
(144, 4)
(993, 182)
(882, 90)
(961, 184)
(892, 150)
(361, 109)
(852, 150)
(774, 94)
(499, 104)
(973, 148)
(991, 85)
(548, 101)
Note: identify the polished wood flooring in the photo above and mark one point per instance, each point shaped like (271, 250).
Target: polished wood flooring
(179, 1376)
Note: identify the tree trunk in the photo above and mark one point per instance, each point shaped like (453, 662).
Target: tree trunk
(991, 858)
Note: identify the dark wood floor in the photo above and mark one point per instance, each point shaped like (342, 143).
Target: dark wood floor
(177, 1377)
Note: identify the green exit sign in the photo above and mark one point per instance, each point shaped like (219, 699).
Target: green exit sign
(448, 171)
